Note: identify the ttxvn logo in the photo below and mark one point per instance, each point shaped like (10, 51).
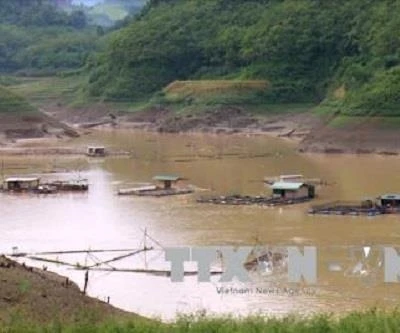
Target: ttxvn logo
(302, 264)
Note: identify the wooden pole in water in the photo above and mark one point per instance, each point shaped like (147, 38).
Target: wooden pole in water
(145, 246)
(2, 172)
(86, 282)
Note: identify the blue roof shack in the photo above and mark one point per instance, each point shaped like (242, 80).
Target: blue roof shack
(292, 190)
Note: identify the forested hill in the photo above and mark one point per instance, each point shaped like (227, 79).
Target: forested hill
(38, 13)
(346, 50)
(37, 37)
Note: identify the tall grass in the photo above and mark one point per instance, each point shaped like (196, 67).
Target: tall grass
(375, 321)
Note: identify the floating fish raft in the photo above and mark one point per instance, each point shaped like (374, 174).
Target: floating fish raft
(348, 208)
(66, 186)
(283, 193)
(33, 185)
(251, 200)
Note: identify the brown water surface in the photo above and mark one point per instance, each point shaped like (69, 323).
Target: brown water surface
(214, 164)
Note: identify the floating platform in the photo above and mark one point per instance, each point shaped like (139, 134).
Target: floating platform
(348, 208)
(154, 191)
(251, 200)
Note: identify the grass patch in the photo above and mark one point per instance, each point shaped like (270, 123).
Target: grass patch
(371, 321)
(183, 89)
(193, 97)
(338, 115)
(8, 80)
(10, 102)
(183, 94)
(44, 90)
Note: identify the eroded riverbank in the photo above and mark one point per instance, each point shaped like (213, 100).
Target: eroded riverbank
(311, 132)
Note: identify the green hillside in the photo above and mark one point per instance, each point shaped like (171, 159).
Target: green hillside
(343, 53)
(36, 37)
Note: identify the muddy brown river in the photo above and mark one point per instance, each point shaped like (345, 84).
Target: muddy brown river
(100, 219)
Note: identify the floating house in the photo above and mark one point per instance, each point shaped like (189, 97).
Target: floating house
(19, 184)
(96, 151)
(294, 179)
(167, 180)
(292, 190)
(390, 200)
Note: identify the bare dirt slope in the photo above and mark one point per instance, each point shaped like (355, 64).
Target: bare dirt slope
(35, 125)
(362, 136)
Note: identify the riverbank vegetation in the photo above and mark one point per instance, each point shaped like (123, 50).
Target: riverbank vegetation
(330, 54)
(372, 321)
(343, 54)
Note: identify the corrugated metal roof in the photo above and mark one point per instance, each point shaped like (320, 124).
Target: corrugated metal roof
(390, 197)
(21, 179)
(289, 177)
(286, 185)
(163, 178)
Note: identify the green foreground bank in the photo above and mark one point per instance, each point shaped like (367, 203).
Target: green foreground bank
(369, 321)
